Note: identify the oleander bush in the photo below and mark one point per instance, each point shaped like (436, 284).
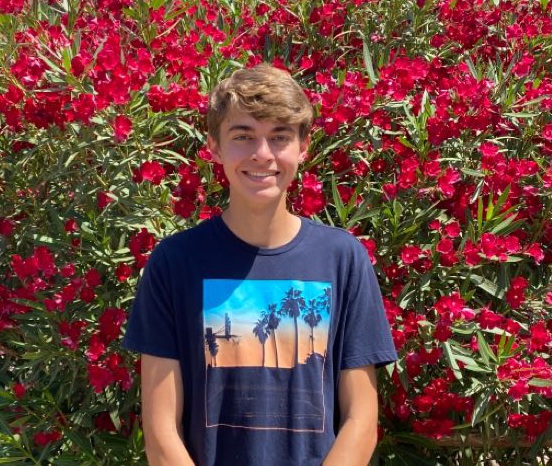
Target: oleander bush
(432, 144)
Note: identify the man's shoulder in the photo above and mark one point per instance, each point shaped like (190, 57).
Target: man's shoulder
(331, 236)
(185, 240)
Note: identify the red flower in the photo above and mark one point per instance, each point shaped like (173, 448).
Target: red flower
(423, 403)
(71, 226)
(79, 63)
(515, 296)
(44, 438)
(140, 244)
(540, 337)
(390, 190)
(413, 364)
(518, 390)
(96, 348)
(433, 428)
(150, 171)
(122, 127)
(523, 67)
(71, 333)
(19, 390)
(533, 424)
(6, 227)
(123, 272)
(87, 294)
(104, 199)
(452, 230)
(24, 268)
(110, 323)
(84, 107)
(446, 181)
(370, 246)
(93, 278)
(547, 132)
(432, 356)
(471, 254)
(100, 377)
(68, 293)
(445, 246)
(311, 199)
(536, 252)
(8, 7)
(103, 421)
(184, 207)
(488, 319)
(410, 254)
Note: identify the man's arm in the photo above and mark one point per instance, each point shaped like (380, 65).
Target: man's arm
(162, 407)
(358, 404)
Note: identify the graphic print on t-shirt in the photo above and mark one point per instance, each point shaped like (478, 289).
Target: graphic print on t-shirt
(265, 347)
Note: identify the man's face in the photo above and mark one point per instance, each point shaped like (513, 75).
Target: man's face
(259, 157)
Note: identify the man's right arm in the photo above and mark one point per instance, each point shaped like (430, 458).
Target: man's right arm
(162, 408)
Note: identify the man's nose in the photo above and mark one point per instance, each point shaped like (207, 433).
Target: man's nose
(263, 150)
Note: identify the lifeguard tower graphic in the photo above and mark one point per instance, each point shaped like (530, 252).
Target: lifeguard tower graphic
(211, 337)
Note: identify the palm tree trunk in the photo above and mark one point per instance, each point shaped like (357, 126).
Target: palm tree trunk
(275, 346)
(312, 340)
(263, 354)
(296, 358)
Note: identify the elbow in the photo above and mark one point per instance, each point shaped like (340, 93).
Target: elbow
(366, 432)
(160, 443)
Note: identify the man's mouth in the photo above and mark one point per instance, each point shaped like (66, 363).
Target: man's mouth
(261, 174)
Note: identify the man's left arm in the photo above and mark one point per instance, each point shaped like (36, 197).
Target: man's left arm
(358, 405)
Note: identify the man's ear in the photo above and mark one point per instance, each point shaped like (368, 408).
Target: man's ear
(304, 148)
(214, 148)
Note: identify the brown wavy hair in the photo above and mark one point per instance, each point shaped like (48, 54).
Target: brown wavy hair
(265, 93)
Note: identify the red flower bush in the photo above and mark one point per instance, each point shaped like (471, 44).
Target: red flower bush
(432, 143)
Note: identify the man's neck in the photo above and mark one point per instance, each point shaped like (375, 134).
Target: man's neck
(264, 228)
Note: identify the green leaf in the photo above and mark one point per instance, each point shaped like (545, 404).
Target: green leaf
(474, 173)
(480, 215)
(338, 203)
(156, 4)
(502, 226)
(485, 350)
(368, 62)
(480, 408)
(487, 285)
(522, 115)
(452, 361)
(540, 382)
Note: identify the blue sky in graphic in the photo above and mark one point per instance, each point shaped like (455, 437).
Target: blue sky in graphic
(244, 300)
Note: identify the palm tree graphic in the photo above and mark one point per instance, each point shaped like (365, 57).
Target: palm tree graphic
(312, 317)
(272, 322)
(212, 345)
(260, 331)
(293, 305)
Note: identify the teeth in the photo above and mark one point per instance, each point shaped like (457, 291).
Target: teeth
(261, 174)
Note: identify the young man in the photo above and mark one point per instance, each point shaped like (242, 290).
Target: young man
(259, 331)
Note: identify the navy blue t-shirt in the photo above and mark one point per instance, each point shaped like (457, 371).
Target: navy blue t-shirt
(261, 336)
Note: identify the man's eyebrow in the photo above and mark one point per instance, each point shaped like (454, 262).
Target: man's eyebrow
(240, 128)
(276, 129)
(280, 129)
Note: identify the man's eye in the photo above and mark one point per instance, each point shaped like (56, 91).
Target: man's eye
(281, 138)
(242, 137)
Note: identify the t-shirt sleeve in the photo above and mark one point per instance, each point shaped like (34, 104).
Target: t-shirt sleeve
(151, 327)
(367, 337)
